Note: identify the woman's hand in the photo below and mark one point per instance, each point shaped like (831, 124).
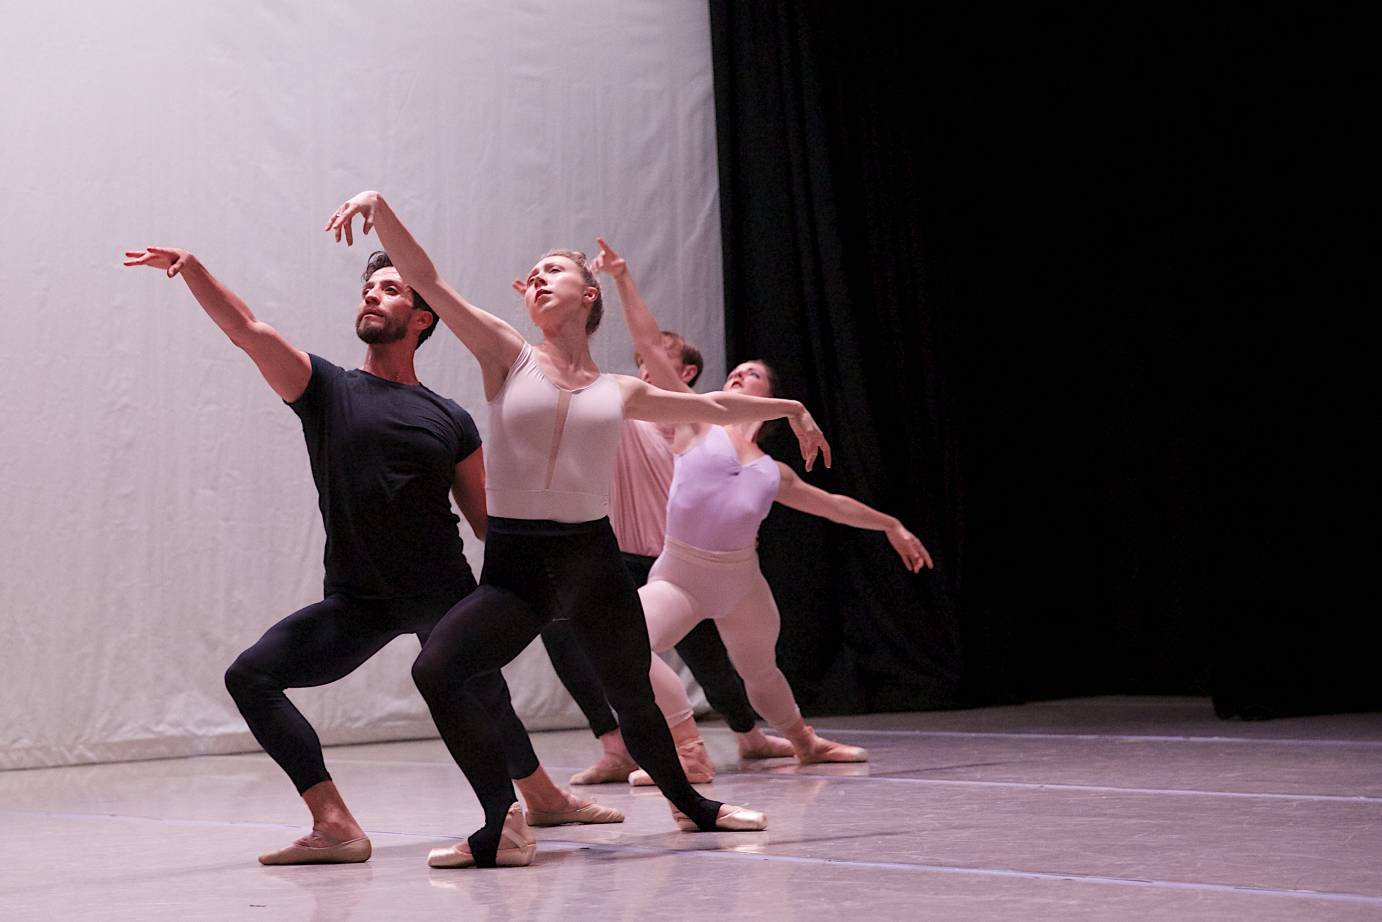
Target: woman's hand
(363, 205)
(809, 437)
(909, 547)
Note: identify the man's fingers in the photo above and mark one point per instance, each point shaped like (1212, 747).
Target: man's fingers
(825, 451)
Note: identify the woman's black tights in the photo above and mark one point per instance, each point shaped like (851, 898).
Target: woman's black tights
(536, 571)
(702, 651)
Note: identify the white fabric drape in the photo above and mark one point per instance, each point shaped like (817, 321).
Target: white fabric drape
(157, 506)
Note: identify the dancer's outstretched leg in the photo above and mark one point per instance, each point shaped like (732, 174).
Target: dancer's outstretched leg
(750, 632)
(704, 654)
(612, 631)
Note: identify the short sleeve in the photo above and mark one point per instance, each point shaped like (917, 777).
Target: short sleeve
(468, 432)
(324, 375)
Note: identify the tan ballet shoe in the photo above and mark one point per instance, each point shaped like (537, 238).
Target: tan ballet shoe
(612, 767)
(516, 847)
(589, 814)
(729, 819)
(641, 779)
(811, 748)
(352, 852)
(758, 745)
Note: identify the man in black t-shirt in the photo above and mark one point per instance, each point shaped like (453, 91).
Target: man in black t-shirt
(385, 452)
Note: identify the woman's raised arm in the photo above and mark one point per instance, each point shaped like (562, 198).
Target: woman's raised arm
(494, 343)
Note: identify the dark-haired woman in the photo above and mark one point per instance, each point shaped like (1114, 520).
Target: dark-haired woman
(555, 421)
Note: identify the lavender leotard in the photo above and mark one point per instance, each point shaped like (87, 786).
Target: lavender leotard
(717, 503)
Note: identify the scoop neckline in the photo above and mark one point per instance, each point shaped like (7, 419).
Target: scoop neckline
(532, 356)
(735, 452)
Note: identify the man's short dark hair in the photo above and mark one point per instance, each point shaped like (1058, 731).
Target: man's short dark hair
(690, 355)
(380, 260)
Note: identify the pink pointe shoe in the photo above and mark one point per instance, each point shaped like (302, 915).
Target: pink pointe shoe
(730, 819)
(811, 748)
(516, 847)
(695, 761)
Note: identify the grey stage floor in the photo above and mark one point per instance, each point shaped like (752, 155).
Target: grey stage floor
(1109, 808)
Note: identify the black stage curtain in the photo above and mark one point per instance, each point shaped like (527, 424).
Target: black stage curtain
(1040, 277)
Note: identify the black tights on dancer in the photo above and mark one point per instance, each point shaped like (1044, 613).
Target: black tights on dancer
(536, 571)
(329, 640)
(702, 650)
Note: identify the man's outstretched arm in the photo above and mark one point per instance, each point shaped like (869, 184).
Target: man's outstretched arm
(283, 365)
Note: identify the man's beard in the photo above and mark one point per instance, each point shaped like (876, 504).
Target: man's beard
(380, 334)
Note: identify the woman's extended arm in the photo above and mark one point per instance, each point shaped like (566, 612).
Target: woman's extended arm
(797, 494)
(493, 342)
(722, 408)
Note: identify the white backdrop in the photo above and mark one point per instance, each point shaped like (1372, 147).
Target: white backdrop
(158, 512)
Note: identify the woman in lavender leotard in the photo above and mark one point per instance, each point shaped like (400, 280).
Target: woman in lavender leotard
(722, 489)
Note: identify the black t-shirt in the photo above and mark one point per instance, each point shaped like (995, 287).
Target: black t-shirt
(384, 456)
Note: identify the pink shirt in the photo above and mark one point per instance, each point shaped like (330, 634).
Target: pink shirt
(638, 493)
